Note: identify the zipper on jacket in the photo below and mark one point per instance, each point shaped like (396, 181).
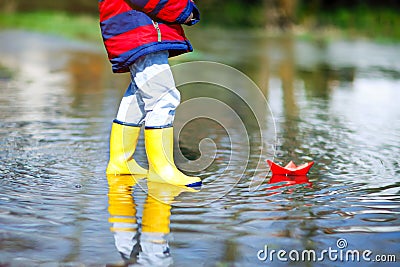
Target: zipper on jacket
(155, 24)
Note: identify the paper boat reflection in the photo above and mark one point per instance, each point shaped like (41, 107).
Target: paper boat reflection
(283, 180)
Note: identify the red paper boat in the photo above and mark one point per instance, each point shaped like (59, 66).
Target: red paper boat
(290, 168)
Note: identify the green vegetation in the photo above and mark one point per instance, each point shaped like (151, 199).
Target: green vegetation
(362, 21)
(233, 13)
(376, 22)
(5, 73)
(84, 27)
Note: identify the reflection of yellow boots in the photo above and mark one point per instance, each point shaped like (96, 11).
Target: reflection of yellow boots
(155, 223)
(157, 208)
(159, 149)
(120, 196)
(123, 141)
(122, 209)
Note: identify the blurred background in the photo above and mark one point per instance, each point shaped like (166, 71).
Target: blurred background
(374, 18)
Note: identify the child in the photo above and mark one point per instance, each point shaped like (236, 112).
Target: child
(139, 36)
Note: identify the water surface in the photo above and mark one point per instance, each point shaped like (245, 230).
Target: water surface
(335, 103)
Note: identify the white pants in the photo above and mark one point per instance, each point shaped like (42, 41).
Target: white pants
(151, 97)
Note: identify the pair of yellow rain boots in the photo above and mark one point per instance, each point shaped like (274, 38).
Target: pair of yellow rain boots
(159, 149)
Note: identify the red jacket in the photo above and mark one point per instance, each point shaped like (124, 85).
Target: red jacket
(133, 28)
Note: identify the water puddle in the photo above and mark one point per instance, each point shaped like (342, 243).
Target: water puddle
(334, 103)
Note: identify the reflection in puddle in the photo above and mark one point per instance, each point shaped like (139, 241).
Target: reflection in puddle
(335, 103)
(144, 243)
(281, 181)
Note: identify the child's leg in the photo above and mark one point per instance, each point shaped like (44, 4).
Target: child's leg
(125, 134)
(156, 86)
(131, 109)
(159, 96)
(151, 98)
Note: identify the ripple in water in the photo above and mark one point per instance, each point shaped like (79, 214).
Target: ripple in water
(55, 197)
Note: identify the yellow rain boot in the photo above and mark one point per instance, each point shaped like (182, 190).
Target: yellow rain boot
(159, 148)
(123, 141)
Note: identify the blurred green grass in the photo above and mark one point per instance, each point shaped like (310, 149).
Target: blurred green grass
(376, 23)
(85, 27)
(379, 24)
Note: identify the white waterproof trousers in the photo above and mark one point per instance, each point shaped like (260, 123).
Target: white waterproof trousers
(151, 97)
